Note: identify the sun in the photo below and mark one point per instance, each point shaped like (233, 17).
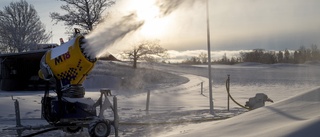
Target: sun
(155, 28)
(147, 11)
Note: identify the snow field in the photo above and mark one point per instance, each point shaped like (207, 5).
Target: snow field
(177, 108)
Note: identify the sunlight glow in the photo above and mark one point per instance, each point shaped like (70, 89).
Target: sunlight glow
(146, 9)
(154, 26)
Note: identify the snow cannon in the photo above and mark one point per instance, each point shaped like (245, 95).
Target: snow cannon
(66, 67)
(68, 64)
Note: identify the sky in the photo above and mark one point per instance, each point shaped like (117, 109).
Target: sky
(234, 24)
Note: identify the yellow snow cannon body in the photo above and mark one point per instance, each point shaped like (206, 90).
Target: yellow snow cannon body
(67, 63)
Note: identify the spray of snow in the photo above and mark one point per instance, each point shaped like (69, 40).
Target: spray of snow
(110, 32)
(116, 27)
(168, 6)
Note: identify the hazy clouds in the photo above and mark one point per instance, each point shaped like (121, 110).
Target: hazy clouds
(179, 56)
(249, 24)
(234, 24)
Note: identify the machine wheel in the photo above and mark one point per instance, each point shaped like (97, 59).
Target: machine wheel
(99, 128)
(72, 129)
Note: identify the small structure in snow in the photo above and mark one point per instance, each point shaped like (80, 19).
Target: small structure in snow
(258, 101)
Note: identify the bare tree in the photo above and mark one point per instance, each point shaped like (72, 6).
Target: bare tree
(203, 57)
(20, 27)
(286, 56)
(280, 56)
(302, 54)
(84, 13)
(145, 50)
(315, 53)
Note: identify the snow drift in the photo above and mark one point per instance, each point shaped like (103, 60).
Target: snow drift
(295, 117)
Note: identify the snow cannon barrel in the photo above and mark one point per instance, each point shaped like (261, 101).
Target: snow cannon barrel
(68, 63)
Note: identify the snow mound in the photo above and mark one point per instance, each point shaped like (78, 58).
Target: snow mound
(294, 117)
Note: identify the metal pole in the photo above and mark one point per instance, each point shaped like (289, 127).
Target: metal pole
(101, 104)
(209, 62)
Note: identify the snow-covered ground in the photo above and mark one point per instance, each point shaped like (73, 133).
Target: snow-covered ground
(298, 116)
(177, 107)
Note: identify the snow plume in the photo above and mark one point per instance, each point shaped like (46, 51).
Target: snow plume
(118, 26)
(168, 6)
(107, 33)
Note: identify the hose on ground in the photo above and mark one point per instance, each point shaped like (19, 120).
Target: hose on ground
(228, 91)
(40, 132)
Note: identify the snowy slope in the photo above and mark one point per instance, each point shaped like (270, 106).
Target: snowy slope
(294, 117)
(176, 103)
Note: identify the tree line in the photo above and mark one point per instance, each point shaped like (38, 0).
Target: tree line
(298, 56)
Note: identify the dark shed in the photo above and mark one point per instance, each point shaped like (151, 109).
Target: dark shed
(19, 71)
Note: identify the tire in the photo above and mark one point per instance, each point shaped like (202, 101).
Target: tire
(72, 129)
(99, 128)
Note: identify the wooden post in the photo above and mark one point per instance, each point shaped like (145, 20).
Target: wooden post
(18, 119)
(202, 88)
(148, 101)
(228, 88)
(17, 112)
(116, 116)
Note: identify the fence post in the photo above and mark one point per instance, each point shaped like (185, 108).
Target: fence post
(228, 88)
(116, 116)
(148, 101)
(18, 119)
(201, 87)
(41, 117)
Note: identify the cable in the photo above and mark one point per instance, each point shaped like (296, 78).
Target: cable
(40, 132)
(228, 87)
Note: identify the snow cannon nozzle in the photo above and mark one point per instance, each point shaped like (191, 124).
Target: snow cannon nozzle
(83, 44)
